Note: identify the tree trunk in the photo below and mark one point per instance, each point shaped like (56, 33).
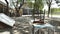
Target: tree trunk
(49, 7)
(18, 9)
(7, 12)
(49, 10)
(17, 12)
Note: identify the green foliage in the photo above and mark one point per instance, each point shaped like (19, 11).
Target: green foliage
(19, 0)
(30, 4)
(27, 0)
(55, 9)
(38, 4)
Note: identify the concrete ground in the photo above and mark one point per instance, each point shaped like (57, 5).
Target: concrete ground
(6, 32)
(22, 26)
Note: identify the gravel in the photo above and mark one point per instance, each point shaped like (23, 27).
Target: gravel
(22, 24)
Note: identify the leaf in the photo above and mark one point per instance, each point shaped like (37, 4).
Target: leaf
(19, 0)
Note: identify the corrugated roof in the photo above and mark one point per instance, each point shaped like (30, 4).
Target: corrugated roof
(3, 3)
(7, 20)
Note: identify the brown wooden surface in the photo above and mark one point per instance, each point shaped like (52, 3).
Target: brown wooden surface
(2, 25)
(40, 22)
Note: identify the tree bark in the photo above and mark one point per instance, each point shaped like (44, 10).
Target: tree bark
(49, 9)
(18, 9)
(17, 12)
(7, 12)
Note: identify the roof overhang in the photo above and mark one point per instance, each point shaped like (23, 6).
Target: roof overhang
(6, 20)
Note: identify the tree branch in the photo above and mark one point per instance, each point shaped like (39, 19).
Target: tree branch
(6, 1)
(21, 4)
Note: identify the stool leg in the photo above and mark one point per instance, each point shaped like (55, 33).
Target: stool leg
(11, 32)
(33, 30)
(48, 31)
